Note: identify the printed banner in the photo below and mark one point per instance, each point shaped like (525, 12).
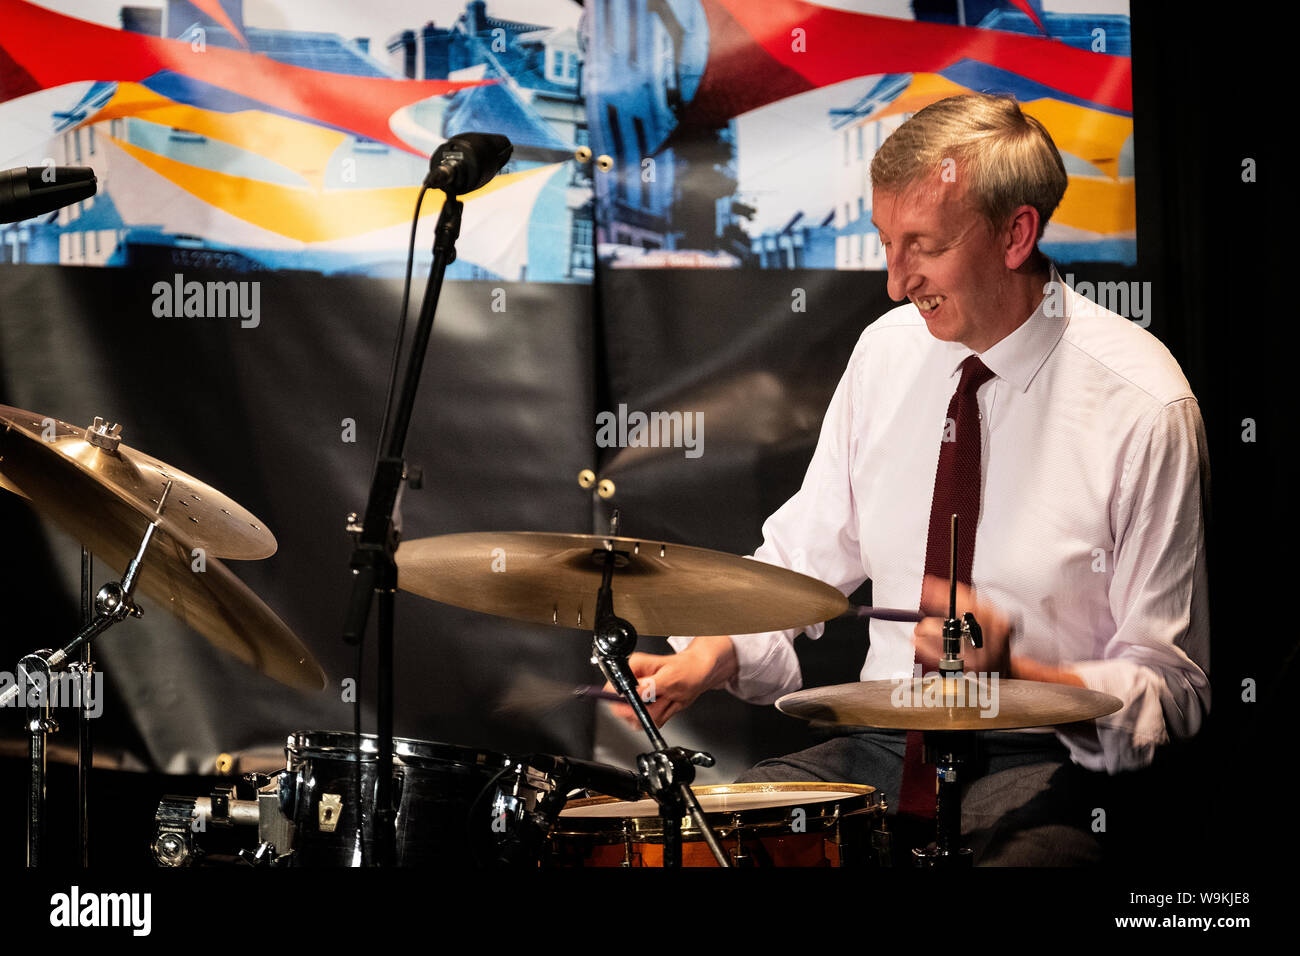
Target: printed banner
(741, 134)
(295, 135)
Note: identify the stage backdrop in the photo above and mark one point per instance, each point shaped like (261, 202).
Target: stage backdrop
(684, 227)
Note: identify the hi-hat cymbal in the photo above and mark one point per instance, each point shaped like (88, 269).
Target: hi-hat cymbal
(80, 485)
(969, 702)
(659, 588)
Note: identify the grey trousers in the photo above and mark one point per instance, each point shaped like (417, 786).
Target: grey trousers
(1023, 802)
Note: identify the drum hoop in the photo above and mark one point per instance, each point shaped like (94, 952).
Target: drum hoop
(856, 800)
(407, 751)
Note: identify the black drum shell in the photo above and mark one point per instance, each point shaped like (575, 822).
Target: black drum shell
(443, 794)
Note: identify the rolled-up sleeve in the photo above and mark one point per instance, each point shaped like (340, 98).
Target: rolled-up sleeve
(1157, 663)
(814, 533)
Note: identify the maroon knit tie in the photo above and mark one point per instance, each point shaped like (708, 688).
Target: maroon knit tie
(956, 492)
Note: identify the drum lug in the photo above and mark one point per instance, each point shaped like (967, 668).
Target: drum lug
(329, 811)
(880, 842)
(739, 857)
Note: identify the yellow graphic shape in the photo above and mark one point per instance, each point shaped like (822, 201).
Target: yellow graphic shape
(1091, 203)
(924, 89)
(1098, 205)
(304, 148)
(1090, 134)
(308, 214)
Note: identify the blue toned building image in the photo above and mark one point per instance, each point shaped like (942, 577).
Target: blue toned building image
(663, 201)
(861, 128)
(536, 101)
(533, 95)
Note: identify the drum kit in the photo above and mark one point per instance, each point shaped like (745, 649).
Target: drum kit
(354, 799)
(167, 533)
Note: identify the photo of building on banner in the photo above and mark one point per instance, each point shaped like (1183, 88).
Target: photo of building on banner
(741, 133)
(294, 135)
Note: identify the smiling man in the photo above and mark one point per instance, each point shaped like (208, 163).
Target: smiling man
(1070, 442)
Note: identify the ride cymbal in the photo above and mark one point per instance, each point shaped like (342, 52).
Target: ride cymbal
(659, 588)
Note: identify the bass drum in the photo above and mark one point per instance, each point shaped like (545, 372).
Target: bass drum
(758, 824)
(454, 804)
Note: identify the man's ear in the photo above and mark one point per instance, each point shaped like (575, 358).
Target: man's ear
(1022, 236)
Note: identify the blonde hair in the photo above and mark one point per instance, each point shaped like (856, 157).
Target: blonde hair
(1005, 158)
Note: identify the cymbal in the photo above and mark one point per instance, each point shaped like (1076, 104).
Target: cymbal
(224, 610)
(99, 504)
(659, 588)
(80, 484)
(932, 702)
(213, 602)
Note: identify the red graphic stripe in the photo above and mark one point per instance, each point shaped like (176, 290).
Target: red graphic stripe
(754, 50)
(14, 80)
(88, 51)
(214, 9)
(1028, 11)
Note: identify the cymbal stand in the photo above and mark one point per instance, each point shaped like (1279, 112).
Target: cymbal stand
(947, 750)
(113, 604)
(666, 772)
(85, 671)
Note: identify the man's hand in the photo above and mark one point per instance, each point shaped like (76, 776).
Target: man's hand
(669, 683)
(993, 658)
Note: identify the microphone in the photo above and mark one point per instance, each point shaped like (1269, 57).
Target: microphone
(572, 773)
(28, 191)
(467, 162)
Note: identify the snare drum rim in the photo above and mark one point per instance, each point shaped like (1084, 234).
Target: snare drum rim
(856, 799)
(328, 745)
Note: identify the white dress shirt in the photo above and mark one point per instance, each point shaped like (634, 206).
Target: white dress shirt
(1090, 533)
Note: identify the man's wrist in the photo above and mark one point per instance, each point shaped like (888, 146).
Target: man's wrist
(1023, 668)
(718, 654)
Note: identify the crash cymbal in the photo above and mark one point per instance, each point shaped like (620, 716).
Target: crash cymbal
(80, 482)
(207, 597)
(226, 611)
(94, 495)
(659, 588)
(934, 703)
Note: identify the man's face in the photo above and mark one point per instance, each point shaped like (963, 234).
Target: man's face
(943, 257)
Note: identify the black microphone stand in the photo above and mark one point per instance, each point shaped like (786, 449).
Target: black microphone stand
(374, 563)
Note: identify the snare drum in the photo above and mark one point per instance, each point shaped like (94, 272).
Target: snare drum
(758, 824)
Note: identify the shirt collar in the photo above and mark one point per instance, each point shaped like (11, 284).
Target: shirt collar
(1018, 357)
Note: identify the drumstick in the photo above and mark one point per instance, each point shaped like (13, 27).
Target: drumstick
(532, 694)
(882, 614)
(596, 691)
